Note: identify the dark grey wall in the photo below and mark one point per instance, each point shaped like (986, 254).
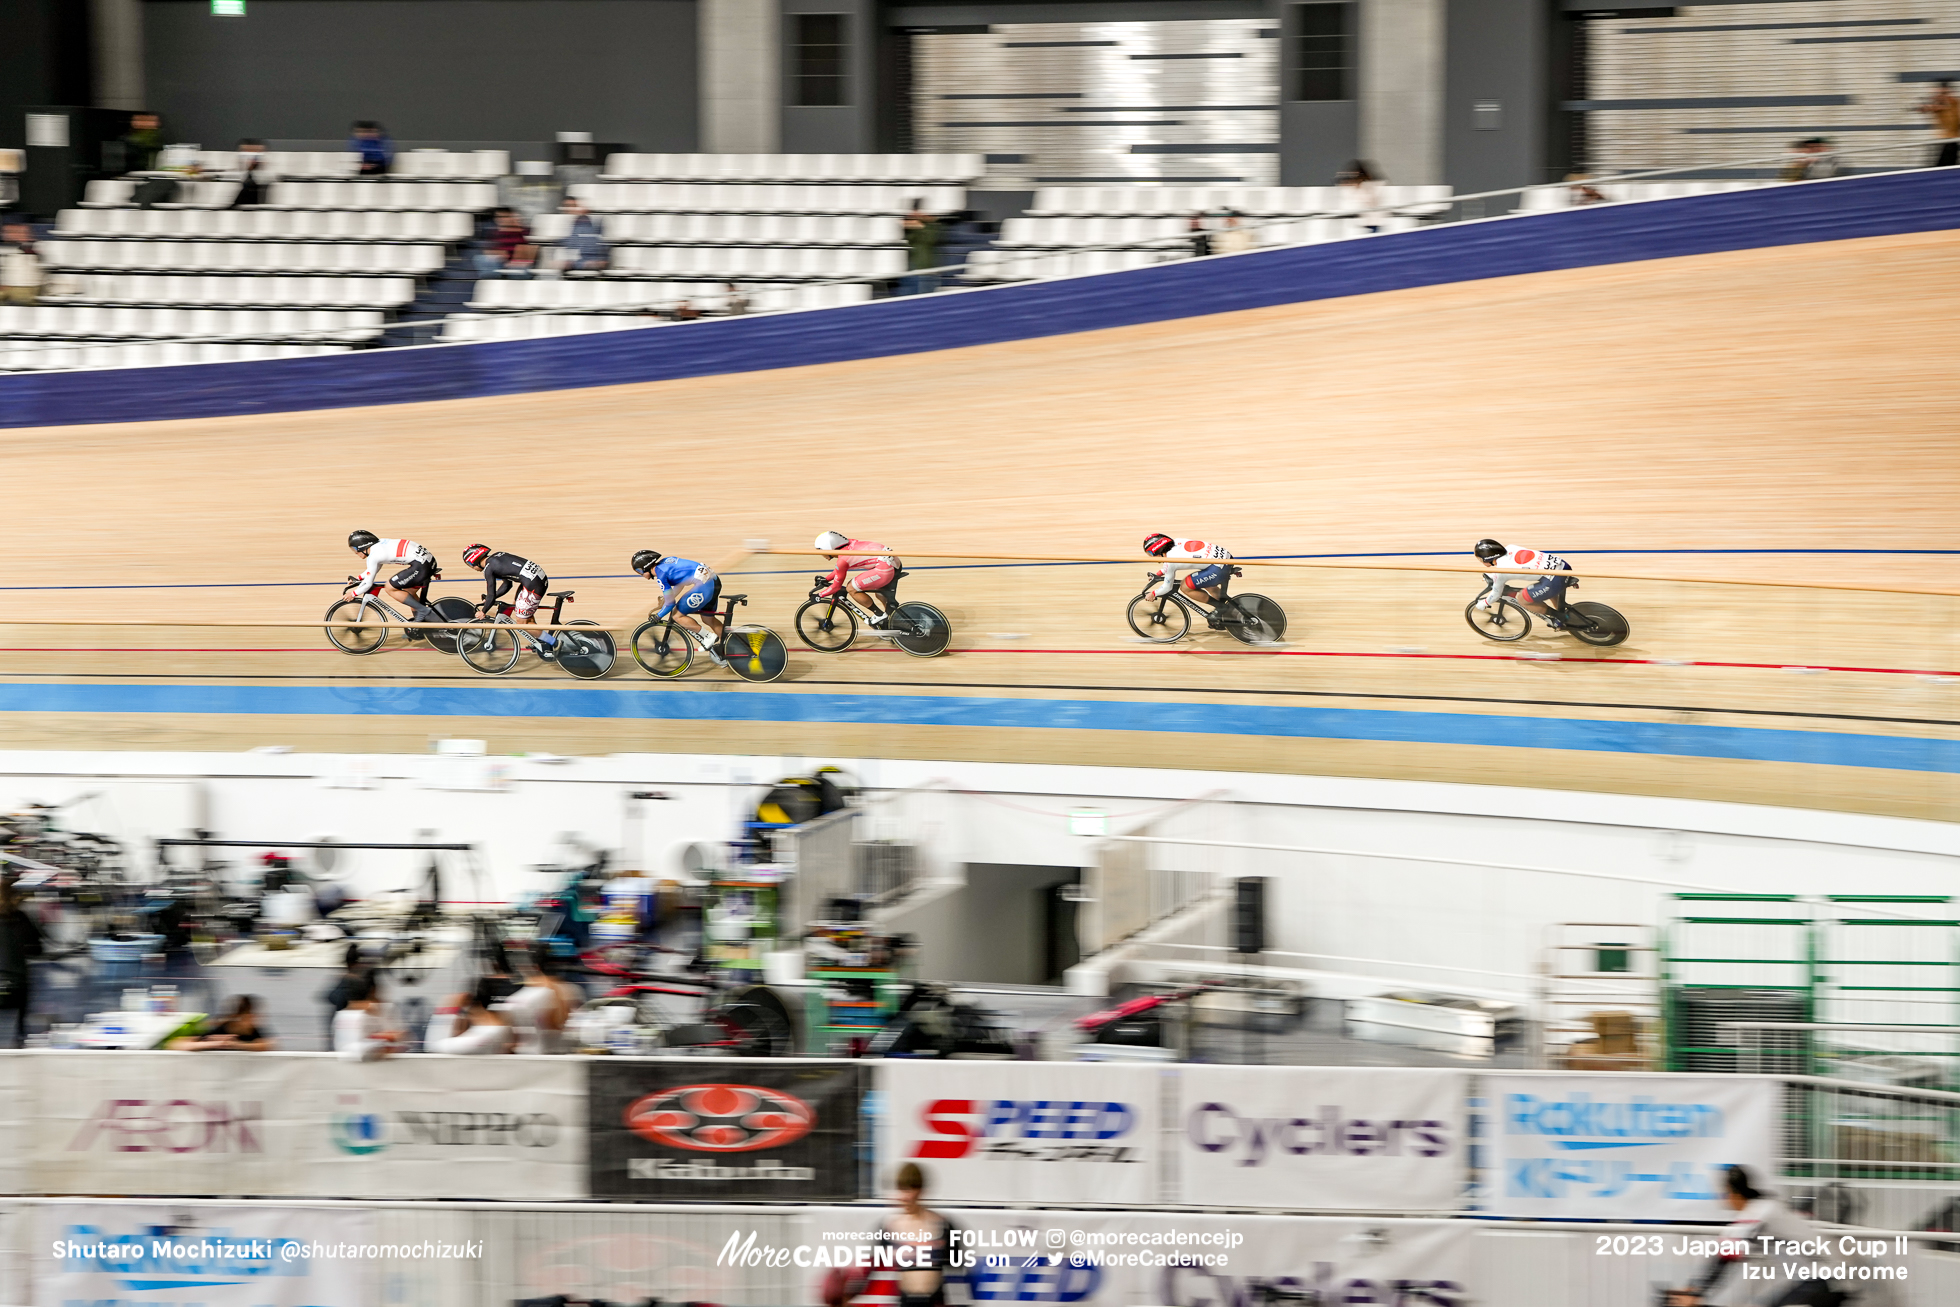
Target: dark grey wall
(430, 70)
(1497, 51)
(1317, 138)
(842, 129)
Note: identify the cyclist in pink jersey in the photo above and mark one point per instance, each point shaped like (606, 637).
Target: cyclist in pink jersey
(859, 565)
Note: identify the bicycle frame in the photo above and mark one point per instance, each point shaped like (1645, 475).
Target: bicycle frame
(1211, 613)
(524, 633)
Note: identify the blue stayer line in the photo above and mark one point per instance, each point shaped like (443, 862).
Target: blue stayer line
(1892, 753)
(955, 567)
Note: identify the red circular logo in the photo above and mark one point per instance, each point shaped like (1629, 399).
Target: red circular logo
(720, 1118)
(1193, 546)
(1526, 555)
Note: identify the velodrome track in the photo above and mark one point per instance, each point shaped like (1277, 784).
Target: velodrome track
(1794, 398)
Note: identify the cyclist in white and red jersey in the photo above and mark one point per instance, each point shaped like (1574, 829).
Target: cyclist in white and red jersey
(1544, 595)
(418, 569)
(1202, 564)
(860, 566)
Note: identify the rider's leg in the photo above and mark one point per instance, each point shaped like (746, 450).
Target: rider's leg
(417, 610)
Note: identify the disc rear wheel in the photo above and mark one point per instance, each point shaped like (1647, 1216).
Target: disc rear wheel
(450, 608)
(588, 652)
(1262, 620)
(1603, 626)
(755, 653)
(919, 629)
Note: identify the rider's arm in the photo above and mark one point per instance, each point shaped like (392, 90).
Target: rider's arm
(837, 575)
(494, 586)
(373, 569)
(1496, 590)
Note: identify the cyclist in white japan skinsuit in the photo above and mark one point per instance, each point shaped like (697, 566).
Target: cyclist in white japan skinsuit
(1202, 564)
(418, 569)
(1544, 595)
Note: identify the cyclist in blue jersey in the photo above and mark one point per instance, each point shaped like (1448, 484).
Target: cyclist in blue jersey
(688, 591)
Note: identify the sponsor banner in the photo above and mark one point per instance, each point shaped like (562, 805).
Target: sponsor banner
(154, 1123)
(481, 1127)
(1116, 1259)
(1047, 1132)
(1624, 1147)
(724, 1129)
(123, 1255)
(1322, 1138)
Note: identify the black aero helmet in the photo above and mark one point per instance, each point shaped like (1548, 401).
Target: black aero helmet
(474, 555)
(362, 539)
(644, 559)
(1157, 544)
(1489, 550)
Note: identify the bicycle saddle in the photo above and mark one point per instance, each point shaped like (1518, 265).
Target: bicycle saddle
(560, 594)
(732, 600)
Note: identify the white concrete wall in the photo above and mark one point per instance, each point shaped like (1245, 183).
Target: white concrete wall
(1489, 919)
(1401, 86)
(741, 76)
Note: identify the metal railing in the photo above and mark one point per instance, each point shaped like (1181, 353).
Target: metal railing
(1470, 207)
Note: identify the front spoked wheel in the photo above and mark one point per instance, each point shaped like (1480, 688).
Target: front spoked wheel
(490, 650)
(587, 653)
(755, 653)
(662, 649)
(1160, 620)
(1261, 621)
(919, 629)
(1602, 625)
(368, 632)
(826, 625)
(1504, 621)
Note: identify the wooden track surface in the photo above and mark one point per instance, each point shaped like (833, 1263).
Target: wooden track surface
(1786, 398)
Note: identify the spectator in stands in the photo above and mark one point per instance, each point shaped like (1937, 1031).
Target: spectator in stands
(1232, 237)
(1200, 236)
(1943, 108)
(361, 1030)
(238, 1031)
(1361, 194)
(142, 142)
(685, 312)
(370, 141)
(354, 969)
(1580, 190)
(20, 944)
(468, 1024)
(507, 251)
(584, 243)
(1811, 159)
(20, 266)
(921, 249)
(733, 302)
(254, 174)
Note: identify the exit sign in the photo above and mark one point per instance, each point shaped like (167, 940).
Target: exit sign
(228, 8)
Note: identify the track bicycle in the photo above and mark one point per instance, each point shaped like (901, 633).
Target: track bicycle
(1162, 619)
(830, 625)
(372, 617)
(1507, 620)
(665, 648)
(584, 649)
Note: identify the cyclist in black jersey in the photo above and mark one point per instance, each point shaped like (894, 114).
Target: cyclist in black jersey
(501, 572)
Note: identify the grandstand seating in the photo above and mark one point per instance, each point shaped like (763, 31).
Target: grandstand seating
(241, 256)
(241, 291)
(624, 296)
(912, 168)
(1253, 201)
(739, 197)
(267, 224)
(473, 326)
(58, 321)
(458, 197)
(120, 192)
(1562, 197)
